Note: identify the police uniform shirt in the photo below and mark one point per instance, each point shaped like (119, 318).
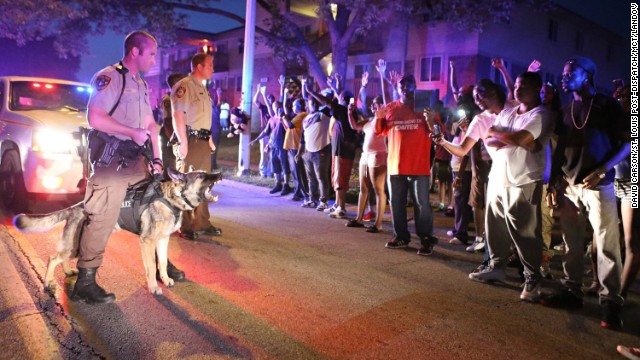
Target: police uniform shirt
(192, 98)
(134, 104)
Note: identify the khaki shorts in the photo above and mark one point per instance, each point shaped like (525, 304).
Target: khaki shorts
(341, 173)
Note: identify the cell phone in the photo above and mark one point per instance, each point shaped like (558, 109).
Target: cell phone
(436, 129)
(461, 113)
(352, 101)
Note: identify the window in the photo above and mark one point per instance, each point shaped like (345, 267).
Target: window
(239, 83)
(240, 46)
(430, 68)
(553, 30)
(579, 41)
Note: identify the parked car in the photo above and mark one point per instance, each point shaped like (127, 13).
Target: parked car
(42, 146)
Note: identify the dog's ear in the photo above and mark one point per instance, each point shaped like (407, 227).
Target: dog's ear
(175, 175)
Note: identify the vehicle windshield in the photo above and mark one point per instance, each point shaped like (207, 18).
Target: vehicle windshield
(41, 95)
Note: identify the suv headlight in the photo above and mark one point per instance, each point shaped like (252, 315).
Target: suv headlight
(52, 141)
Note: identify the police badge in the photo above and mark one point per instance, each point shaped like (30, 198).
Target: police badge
(181, 91)
(102, 82)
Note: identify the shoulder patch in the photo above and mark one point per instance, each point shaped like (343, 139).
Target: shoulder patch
(102, 82)
(181, 91)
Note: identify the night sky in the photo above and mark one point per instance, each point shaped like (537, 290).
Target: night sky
(105, 50)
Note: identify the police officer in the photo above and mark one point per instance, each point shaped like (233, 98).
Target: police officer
(168, 159)
(192, 123)
(119, 106)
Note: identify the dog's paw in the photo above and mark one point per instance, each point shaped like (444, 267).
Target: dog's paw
(155, 290)
(168, 282)
(50, 286)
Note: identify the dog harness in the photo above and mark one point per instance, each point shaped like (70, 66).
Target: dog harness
(137, 199)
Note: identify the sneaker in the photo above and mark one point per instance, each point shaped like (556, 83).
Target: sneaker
(296, 198)
(559, 247)
(396, 243)
(338, 213)
(309, 204)
(323, 206)
(276, 189)
(451, 233)
(611, 315)
(566, 299)
(425, 250)
(286, 190)
(531, 291)
(456, 241)
(477, 243)
(479, 268)
(450, 213)
(371, 215)
(632, 353)
(488, 274)
(331, 209)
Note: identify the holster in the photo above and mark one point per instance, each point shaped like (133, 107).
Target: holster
(104, 148)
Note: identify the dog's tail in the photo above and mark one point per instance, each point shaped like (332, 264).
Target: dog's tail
(44, 222)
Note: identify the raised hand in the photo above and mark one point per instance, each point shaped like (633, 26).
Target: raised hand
(534, 66)
(394, 77)
(365, 78)
(497, 63)
(381, 67)
(281, 80)
(452, 64)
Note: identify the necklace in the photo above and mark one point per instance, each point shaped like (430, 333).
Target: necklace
(585, 119)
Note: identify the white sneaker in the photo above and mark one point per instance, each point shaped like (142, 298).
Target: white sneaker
(477, 243)
(338, 213)
(531, 291)
(323, 206)
(331, 209)
(450, 233)
(488, 274)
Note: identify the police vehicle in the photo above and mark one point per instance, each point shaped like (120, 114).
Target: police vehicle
(42, 146)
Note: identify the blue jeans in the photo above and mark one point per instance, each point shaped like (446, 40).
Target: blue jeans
(399, 187)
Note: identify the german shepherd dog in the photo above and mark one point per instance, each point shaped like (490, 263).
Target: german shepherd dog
(157, 222)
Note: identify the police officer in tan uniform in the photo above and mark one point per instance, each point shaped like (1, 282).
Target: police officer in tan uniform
(168, 159)
(191, 105)
(119, 106)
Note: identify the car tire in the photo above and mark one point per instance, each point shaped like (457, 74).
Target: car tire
(12, 189)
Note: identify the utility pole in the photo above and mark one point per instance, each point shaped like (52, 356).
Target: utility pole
(247, 80)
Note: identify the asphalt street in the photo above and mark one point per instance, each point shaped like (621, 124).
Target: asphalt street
(284, 282)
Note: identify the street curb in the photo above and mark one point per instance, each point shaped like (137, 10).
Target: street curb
(25, 317)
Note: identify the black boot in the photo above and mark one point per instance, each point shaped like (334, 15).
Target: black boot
(88, 291)
(172, 271)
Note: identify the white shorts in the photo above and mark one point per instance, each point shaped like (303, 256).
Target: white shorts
(373, 159)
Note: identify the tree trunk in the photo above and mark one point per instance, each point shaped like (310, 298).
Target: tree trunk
(340, 59)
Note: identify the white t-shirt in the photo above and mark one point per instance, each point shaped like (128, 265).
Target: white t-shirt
(455, 160)
(372, 143)
(514, 165)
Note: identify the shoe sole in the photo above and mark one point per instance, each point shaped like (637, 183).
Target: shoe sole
(396, 246)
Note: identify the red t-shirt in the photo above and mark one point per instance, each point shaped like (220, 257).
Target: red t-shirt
(409, 144)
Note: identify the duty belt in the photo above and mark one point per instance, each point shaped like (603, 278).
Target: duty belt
(202, 134)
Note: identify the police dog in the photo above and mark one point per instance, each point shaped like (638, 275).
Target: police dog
(157, 222)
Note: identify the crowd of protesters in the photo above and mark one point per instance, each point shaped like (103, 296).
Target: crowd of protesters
(504, 159)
